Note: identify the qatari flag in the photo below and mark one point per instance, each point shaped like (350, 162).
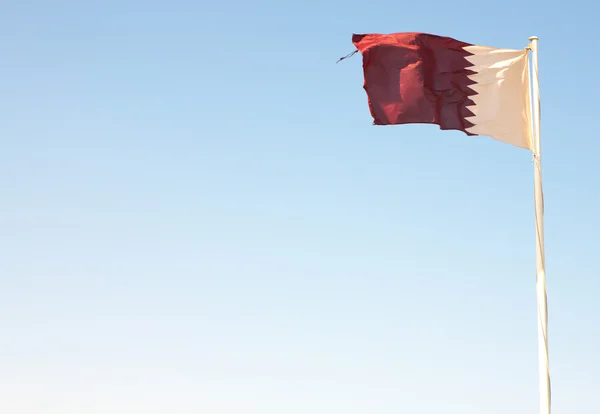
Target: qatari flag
(429, 79)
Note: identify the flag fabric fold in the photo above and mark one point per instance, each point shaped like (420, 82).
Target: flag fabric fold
(430, 79)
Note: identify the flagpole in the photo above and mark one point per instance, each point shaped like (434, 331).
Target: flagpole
(542, 305)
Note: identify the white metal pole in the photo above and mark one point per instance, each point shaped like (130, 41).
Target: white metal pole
(542, 305)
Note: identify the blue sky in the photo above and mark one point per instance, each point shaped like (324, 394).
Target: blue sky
(198, 216)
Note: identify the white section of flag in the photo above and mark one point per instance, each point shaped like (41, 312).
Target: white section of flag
(502, 104)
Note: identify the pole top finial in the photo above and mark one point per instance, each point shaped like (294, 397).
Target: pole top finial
(532, 38)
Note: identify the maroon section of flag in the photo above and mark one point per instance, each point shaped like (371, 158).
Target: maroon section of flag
(416, 78)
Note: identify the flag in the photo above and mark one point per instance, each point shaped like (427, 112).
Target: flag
(429, 79)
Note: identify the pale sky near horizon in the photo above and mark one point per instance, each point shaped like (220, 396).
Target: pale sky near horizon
(198, 216)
